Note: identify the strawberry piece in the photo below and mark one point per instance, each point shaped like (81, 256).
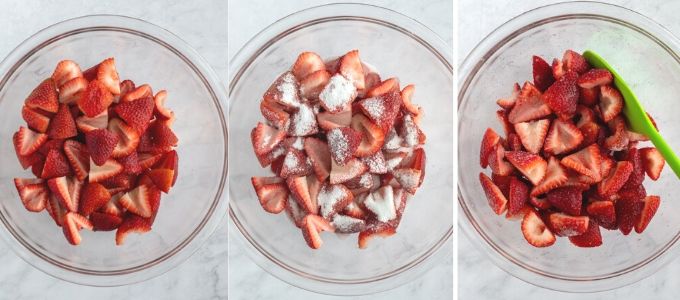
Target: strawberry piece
(628, 212)
(371, 80)
(653, 162)
(567, 199)
(170, 160)
(347, 224)
(131, 164)
(35, 120)
(376, 163)
(532, 134)
(562, 138)
(136, 113)
(44, 97)
(295, 212)
(272, 193)
(611, 102)
(33, 193)
(574, 62)
(86, 124)
(589, 97)
(328, 121)
(518, 196)
(109, 169)
(557, 68)
(594, 78)
(543, 77)
(161, 178)
(51, 145)
(649, 208)
(132, 224)
(108, 76)
(126, 86)
(383, 109)
(312, 225)
(497, 201)
(562, 96)
(352, 168)
(408, 178)
(586, 161)
(265, 138)
(382, 204)
(489, 141)
(62, 125)
(619, 140)
(161, 137)
(602, 212)
(502, 116)
(312, 85)
(275, 114)
(373, 136)
(295, 163)
(590, 132)
(540, 203)
(306, 64)
(407, 99)
(555, 176)
(27, 142)
(498, 163)
(113, 207)
(410, 132)
(159, 106)
(333, 198)
(138, 201)
(78, 157)
(319, 154)
(55, 210)
(56, 165)
(375, 229)
(338, 94)
(305, 190)
(94, 196)
(70, 91)
(503, 183)
(591, 238)
(386, 86)
(65, 71)
(634, 156)
(535, 231)
(350, 66)
(616, 179)
(72, 224)
(147, 160)
(104, 221)
(566, 225)
(509, 102)
(285, 91)
(95, 99)
(529, 105)
(531, 165)
(343, 143)
(139, 92)
(100, 144)
(67, 190)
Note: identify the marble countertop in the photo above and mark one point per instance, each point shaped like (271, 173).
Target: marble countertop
(247, 18)
(204, 275)
(480, 279)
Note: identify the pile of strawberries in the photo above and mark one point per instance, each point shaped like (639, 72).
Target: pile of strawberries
(344, 145)
(568, 163)
(101, 151)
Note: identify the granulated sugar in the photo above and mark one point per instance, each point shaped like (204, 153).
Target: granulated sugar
(304, 121)
(381, 203)
(393, 140)
(338, 93)
(289, 92)
(408, 178)
(298, 143)
(375, 107)
(291, 161)
(347, 224)
(328, 197)
(410, 131)
(376, 163)
(338, 144)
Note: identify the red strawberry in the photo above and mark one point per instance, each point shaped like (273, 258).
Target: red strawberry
(44, 97)
(272, 193)
(65, 71)
(86, 124)
(95, 99)
(305, 191)
(328, 121)
(275, 114)
(139, 92)
(535, 231)
(67, 190)
(343, 143)
(33, 193)
(540, 203)
(109, 169)
(295, 212)
(312, 225)
(73, 222)
(590, 238)
(574, 62)
(71, 90)
(603, 212)
(100, 144)
(162, 178)
(594, 78)
(557, 68)
(159, 106)
(566, 225)
(56, 165)
(285, 91)
(562, 96)
(652, 161)
(51, 145)
(333, 198)
(312, 85)
(132, 224)
(628, 212)
(502, 116)
(532, 134)
(518, 196)
(131, 164)
(265, 138)
(94, 196)
(371, 79)
(376, 163)
(383, 109)
(27, 141)
(55, 210)
(408, 178)
(529, 105)
(589, 97)
(649, 208)
(611, 102)
(567, 199)
(138, 201)
(318, 153)
(386, 86)
(590, 132)
(62, 125)
(108, 76)
(129, 139)
(531, 165)
(634, 156)
(375, 229)
(147, 160)
(136, 113)
(350, 66)
(407, 99)
(543, 77)
(498, 163)
(78, 157)
(307, 63)
(509, 102)
(104, 221)
(35, 120)
(126, 86)
(586, 162)
(616, 179)
(630, 191)
(555, 176)
(503, 183)
(353, 168)
(494, 195)
(489, 141)
(295, 163)
(372, 135)
(562, 138)
(619, 140)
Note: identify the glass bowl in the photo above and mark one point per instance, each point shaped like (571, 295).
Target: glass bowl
(397, 46)
(647, 56)
(188, 215)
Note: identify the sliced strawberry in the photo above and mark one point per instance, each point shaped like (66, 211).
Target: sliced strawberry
(497, 201)
(350, 66)
(33, 193)
(132, 224)
(532, 134)
(312, 85)
(381, 204)
(67, 190)
(305, 191)
(161, 178)
(566, 225)
(265, 138)
(109, 169)
(628, 212)
(375, 229)
(62, 125)
(383, 109)
(531, 165)
(312, 225)
(649, 208)
(94, 196)
(634, 156)
(386, 86)
(139, 92)
(72, 224)
(295, 163)
(567, 199)
(105, 222)
(338, 94)
(285, 91)
(611, 102)
(27, 141)
(295, 212)
(44, 97)
(108, 76)
(306, 64)
(55, 210)
(407, 99)
(35, 120)
(529, 105)
(65, 71)
(562, 96)
(518, 196)
(586, 161)
(589, 97)
(159, 106)
(489, 141)
(147, 160)
(131, 164)
(328, 121)
(653, 162)
(543, 77)
(503, 183)
(371, 80)
(136, 113)
(137, 201)
(540, 203)
(56, 165)
(376, 163)
(618, 141)
(535, 231)
(275, 114)
(557, 68)
(555, 176)
(113, 207)
(352, 168)
(51, 145)
(343, 142)
(590, 238)
(594, 78)
(318, 153)
(126, 86)
(347, 224)
(333, 198)
(408, 178)
(95, 99)
(509, 102)
(603, 212)
(272, 193)
(129, 139)
(574, 62)
(78, 157)
(498, 162)
(372, 135)
(616, 179)
(502, 116)
(562, 138)
(70, 91)
(86, 124)
(100, 144)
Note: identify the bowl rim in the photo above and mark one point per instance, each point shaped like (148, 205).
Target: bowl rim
(180, 253)
(241, 61)
(476, 58)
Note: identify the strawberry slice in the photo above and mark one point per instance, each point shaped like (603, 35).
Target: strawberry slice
(328, 121)
(628, 213)
(161, 178)
(557, 68)
(376, 163)
(62, 125)
(589, 97)
(129, 139)
(265, 138)
(312, 225)
(72, 224)
(100, 144)
(594, 78)
(611, 102)
(272, 193)
(305, 191)
(566, 225)
(147, 160)
(563, 137)
(275, 114)
(306, 64)
(503, 183)
(343, 142)
(94, 196)
(408, 178)
(338, 94)
(67, 190)
(574, 62)
(27, 141)
(567, 199)
(347, 224)
(540, 203)
(86, 124)
(616, 179)
(51, 145)
(70, 91)
(531, 165)
(35, 120)
(108, 76)
(586, 161)
(136, 113)
(285, 91)
(371, 80)
(653, 162)
(55, 210)
(410, 132)
(518, 196)
(295, 212)
(138, 201)
(634, 156)
(498, 162)
(303, 121)
(383, 109)
(312, 85)
(649, 208)
(532, 134)
(170, 160)
(489, 141)
(381, 204)
(509, 102)
(497, 201)
(555, 176)
(562, 96)
(33, 193)
(319, 154)
(502, 116)
(386, 86)
(543, 77)
(104, 221)
(602, 212)
(95, 99)
(350, 66)
(535, 231)
(591, 238)
(529, 105)
(132, 224)
(131, 164)
(375, 229)
(44, 97)
(109, 169)
(56, 165)
(619, 140)
(407, 99)
(333, 198)
(159, 106)
(373, 136)
(139, 92)
(352, 169)
(65, 71)
(295, 163)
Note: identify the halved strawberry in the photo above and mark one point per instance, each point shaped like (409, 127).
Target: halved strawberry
(628, 212)
(352, 168)
(566, 225)
(139, 92)
(333, 198)
(408, 178)
(616, 179)
(543, 77)
(35, 120)
(594, 78)
(44, 97)
(275, 114)
(100, 144)
(62, 125)
(72, 224)
(86, 124)
(383, 109)
(56, 165)
(67, 190)
(497, 201)
(70, 91)
(132, 224)
(307, 63)
(386, 86)
(574, 62)
(535, 230)
(265, 138)
(603, 212)
(529, 105)
(108, 76)
(312, 225)
(295, 163)
(532, 134)
(107, 170)
(305, 191)
(338, 94)
(33, 193)
(129, 139)
(407, 99)
(136, 113)
(318, 153)
(272, 193)
(489, 141)
(649, 208)
(137, 201)
(562, 96)
(555, 176)
(562, 138)
(285, 91)
(611, 102)
(328, 121)
(518, 196)
(350, 66)
(343, 143)
(104, 221)
(65, 71)
(27, 141)
(373, 136)
(567, 199)
(586, 161)
(590, 238)
(95, 99)
(653, 162)
(531, 165)
(94, 196)
(498, 162)
(312, 85)
(161, 178)
(78, 157)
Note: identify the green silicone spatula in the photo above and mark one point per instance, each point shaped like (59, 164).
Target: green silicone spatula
(637, 118)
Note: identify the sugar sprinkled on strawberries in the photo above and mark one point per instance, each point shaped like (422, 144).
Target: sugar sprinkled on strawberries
(338, 93)
(375, 107)
(381, 203)
(304, 121)
(288, 91)
(328, 197)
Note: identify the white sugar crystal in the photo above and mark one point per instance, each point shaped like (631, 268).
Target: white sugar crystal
(298, 144)
(393, 140)
(288, 91)
(328, 197)
(381, 203)
(376, 163)
(345, 224)
(375, 107)
(339, 146)
(291, 161)
(304, 121)
(410, 131)
(407, 178)
(338, 93)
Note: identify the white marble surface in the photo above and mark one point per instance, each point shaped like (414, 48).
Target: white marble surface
(203, 25)
(479, 278)
(246, 279)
